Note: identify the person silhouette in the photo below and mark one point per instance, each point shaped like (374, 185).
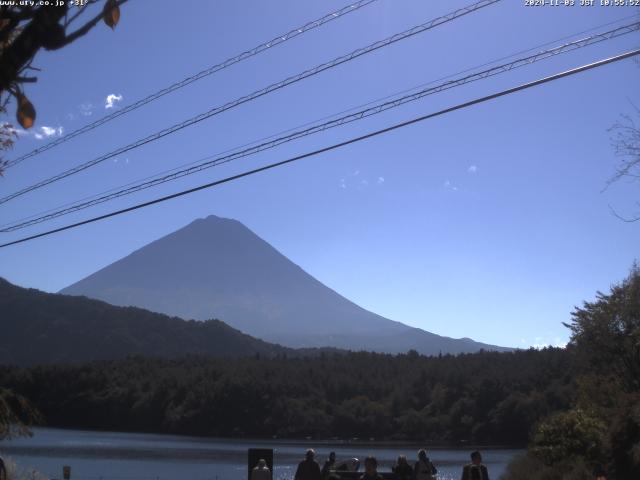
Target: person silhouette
(402, 469)
(308, 469)
(423, 468)
(329, 465)
(475, 470)
(371, 469)
(261, 471)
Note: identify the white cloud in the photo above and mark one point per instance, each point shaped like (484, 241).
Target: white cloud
(361, 183)
(559, 343)
(112, 99)
(20, 132)
(472, 169)
(450, 186)
(543, 342)
(86, 109)
(39, 133)
(47, 131)
(51, 131)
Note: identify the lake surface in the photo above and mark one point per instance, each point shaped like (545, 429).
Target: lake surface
(135, 456)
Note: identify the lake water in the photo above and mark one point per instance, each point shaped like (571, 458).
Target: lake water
(134, 456)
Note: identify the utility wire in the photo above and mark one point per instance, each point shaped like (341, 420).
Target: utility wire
(259, 93)
(327, 117)
(335, 146)
(367, 112)
(194, 78)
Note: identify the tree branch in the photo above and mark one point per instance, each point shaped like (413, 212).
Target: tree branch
(27, 79)
(624, 219)
(85, 28)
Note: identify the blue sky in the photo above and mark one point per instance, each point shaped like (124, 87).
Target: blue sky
(490, 223)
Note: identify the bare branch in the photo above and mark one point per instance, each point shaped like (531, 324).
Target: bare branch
(85, 28)
(632, 219)
(27, 79)
(625, 141)
(80, 11)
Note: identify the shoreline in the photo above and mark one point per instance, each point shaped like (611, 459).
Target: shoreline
(325, 442)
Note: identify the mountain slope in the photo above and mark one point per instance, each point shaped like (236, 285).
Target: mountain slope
(39, 327)
(217, 267)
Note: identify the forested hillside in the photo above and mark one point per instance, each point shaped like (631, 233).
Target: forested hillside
(487, 398)
(39, 327)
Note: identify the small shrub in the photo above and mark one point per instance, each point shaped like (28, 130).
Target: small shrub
(18, 472)
(569, 435)
(528, 467)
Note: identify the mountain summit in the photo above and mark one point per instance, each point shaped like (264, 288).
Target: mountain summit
(218, 268)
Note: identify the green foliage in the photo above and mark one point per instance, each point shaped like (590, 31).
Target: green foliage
(623, 437)
(17, 472)
(16, 414)
(603, 425)
(484, 398)
(527, 467)
(567, 435)
(606, 333)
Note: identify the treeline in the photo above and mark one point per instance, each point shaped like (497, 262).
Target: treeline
(599, 436)
(485, 398)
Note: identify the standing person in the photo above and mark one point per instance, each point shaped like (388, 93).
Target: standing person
(424, 469)
(329, 465)
(599, 472)
(3, 470)
(402, 469)
(308, 469)
(261, 471)
(475, 470)
(371, 469)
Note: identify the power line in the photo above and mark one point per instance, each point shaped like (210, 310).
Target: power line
(367, 112)
(335, 146)
(194, 78)
(259, 93)
(254, 142)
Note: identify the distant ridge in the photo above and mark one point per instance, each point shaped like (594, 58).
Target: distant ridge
(39, 328)
(218, 268)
